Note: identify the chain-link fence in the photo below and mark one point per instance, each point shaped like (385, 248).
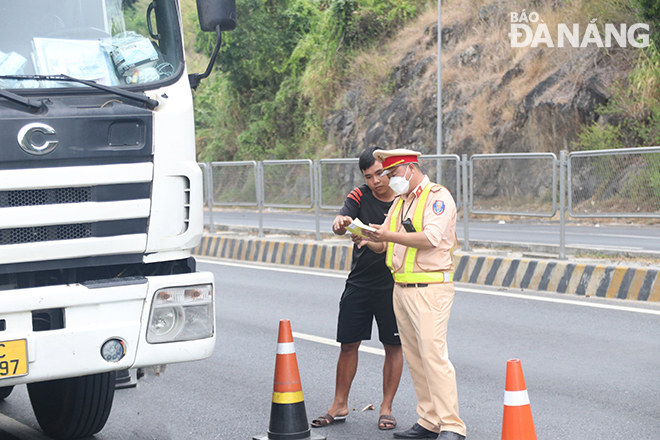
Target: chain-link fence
(522, 184)
(445, 170)
(614, 183)
(234, 183)
(604, 184)
(287, 183)
(338, 177)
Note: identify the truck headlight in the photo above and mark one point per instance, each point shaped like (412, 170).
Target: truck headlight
(181, 314)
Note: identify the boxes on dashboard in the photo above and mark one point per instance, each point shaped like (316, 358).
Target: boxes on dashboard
(138, 53)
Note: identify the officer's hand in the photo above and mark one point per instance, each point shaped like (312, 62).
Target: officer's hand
(379, 235)
(341, 221)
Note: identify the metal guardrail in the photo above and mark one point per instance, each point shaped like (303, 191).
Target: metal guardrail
(282, 184)
(619, 183)
(622, 183)
(335, 184)
(516, 180)
(436, 167)
(236, 187)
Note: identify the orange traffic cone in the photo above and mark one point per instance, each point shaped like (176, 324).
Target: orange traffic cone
(288, 419)
(518, 423)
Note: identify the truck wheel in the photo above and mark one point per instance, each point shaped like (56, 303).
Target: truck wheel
(75, 407)
(5, 392)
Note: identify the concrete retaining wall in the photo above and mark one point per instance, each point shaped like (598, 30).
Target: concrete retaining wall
(622, 282)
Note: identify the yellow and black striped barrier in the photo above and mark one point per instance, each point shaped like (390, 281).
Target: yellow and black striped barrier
(560, 276)
(322, 256)
(641, 284)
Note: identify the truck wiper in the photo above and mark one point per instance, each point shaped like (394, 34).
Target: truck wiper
(150, 103)
(18, 99)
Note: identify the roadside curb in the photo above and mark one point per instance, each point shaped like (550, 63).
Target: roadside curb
(313, 255)
(605, 281)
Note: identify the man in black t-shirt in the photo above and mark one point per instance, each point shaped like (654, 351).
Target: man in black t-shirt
(368, 294)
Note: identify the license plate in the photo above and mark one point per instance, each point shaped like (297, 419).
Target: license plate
(13, 358)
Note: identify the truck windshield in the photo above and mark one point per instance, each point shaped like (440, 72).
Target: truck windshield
(110, 42)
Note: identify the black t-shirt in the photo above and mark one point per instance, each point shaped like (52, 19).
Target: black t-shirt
(368, 269)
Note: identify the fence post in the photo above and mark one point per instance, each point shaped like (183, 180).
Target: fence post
(259, 171)
(562, 205)
(210, 193)
(316, 169)
(466, 219)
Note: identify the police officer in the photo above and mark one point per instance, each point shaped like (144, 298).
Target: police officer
(419, 236)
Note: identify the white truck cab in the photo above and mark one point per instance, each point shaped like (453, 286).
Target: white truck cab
(100, 201)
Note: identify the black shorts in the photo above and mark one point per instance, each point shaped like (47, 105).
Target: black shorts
(357, 309)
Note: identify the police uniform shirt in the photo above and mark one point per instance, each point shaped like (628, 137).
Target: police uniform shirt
(438, 223)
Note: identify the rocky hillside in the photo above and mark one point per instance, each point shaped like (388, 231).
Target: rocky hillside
(495, 98)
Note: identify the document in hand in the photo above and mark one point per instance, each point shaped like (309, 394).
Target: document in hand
(357, 226)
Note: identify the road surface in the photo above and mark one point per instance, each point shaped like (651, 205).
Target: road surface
(590, 365)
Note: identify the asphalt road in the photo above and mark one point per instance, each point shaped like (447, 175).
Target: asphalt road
(590, 365)
(619, 238)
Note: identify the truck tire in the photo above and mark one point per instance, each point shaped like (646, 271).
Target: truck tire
(5, 392)
(75, 407)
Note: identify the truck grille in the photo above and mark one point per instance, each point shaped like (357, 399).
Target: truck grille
(44, 197)
(45, 233)
(18, 199)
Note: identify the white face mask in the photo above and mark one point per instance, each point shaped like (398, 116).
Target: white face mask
(399, 184)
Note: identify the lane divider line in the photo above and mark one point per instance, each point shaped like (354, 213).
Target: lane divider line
(332, 342)
(559, 301)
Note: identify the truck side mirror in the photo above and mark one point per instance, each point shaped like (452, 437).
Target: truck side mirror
(213, 13)
(218, 16)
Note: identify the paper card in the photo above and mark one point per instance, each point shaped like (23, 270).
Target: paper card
(357, 226)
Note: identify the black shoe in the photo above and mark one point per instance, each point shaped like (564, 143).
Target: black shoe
(449, 435)
(416, 431)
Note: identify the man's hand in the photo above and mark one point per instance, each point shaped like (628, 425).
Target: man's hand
(359, 241)
(340, 223)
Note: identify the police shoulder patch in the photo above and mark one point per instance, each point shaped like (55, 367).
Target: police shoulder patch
(439, 207)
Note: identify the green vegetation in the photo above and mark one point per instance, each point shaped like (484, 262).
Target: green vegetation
(633, 112)
(632, 118)
(280, 70)
(135, 16)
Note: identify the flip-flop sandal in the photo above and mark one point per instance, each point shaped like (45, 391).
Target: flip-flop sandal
(326, 420)
(386, 422)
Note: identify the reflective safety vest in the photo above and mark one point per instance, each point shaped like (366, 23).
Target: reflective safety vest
(408, 276)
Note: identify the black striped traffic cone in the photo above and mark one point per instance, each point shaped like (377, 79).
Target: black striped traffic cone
(288, 419)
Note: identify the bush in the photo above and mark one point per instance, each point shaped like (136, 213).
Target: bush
(280, 70)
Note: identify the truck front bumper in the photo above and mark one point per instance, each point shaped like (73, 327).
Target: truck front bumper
(94, 314)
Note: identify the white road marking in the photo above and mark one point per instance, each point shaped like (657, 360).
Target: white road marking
(607, 248)
(560, 301)
(569, 232)
(274, 269)
(19, 430)
(334, 343)
(459, 287)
